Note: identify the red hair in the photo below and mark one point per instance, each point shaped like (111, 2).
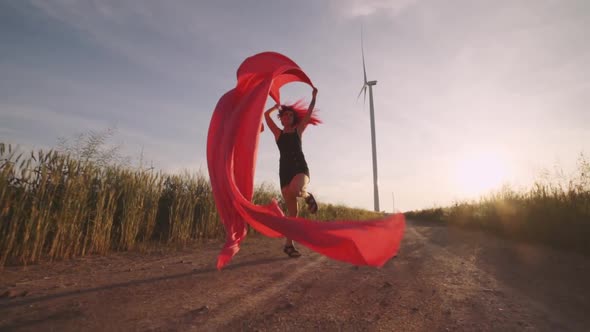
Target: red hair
(299, 108)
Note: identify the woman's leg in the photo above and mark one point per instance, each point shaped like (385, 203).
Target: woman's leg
(298, 185)
(296, 188)
(291, 202)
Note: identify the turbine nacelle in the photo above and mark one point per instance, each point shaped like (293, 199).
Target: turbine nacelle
(364, 90)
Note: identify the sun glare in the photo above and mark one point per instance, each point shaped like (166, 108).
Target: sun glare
(478, 174)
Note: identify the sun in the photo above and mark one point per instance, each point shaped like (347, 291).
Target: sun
(479, 173)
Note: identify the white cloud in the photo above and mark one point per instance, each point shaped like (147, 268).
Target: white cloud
(165, 39)
(362, 8)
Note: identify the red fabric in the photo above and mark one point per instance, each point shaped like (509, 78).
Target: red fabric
(232, 145)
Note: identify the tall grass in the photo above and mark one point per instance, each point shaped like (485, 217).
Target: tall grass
(327, 212)
(53, 206)
(553, 211)
(264, 193)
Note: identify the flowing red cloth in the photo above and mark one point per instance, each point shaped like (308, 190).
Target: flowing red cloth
(232, 145)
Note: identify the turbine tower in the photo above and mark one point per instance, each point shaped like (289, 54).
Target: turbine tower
(373, 139)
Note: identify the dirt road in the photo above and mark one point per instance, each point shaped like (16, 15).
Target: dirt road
(444, 279)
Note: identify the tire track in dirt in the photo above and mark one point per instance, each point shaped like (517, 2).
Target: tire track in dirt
(444, 279)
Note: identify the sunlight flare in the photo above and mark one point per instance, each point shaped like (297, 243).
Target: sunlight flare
(479, 173)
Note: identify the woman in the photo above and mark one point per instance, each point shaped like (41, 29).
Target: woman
(293, 170)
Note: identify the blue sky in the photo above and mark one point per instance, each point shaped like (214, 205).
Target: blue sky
(470, 94)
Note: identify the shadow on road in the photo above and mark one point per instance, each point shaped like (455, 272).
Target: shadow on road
(16, 303)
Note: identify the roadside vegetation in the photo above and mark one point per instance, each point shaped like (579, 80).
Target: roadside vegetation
(554, 211)
(83, 199)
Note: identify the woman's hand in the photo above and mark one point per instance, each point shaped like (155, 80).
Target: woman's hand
(272, 109)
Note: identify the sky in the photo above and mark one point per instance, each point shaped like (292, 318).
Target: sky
(471, 94)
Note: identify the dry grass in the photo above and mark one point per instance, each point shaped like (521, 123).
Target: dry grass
(55, 207)
(553, 211)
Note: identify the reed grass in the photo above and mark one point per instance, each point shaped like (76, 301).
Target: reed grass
(327, 212)
(53, 206)
(553, 211)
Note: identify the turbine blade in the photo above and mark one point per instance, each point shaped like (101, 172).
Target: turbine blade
(365, 95)
(360, 92)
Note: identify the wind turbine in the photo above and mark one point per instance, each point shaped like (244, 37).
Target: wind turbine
(373, 139)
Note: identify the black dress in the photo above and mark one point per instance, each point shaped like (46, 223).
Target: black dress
(292, 160)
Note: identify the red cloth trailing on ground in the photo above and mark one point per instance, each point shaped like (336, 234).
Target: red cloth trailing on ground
(232, 145)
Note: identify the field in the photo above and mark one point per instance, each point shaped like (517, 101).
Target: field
(53, 206)
(555, 211)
